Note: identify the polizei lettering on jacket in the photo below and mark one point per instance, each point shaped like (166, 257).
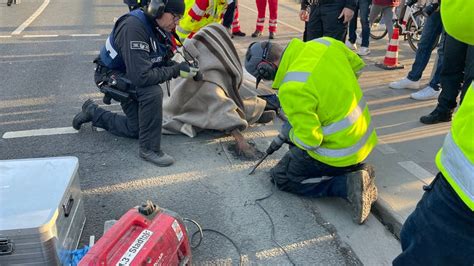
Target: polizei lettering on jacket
(134, 248)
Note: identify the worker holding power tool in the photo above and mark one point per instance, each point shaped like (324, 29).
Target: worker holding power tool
(135, 59)
(329, 126)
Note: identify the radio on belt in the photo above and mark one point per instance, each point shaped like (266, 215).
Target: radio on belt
(145, 235)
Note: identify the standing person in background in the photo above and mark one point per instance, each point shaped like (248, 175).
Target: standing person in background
(200, 13)
(327, 18)
(431, 31)
(440, 231)
(231, 20)
(457, 74)
(272, 23)
(363, 6)
(387, 9)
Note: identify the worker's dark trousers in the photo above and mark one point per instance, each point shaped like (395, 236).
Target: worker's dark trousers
(142, 118)
(440, 231)
(458, 67)
(323, 21)
(299, 173)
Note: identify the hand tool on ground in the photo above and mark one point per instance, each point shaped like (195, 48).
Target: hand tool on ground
(275, 145)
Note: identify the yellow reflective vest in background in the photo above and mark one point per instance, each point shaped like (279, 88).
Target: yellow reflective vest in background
(200, 13)
(456, 158)
(320, 95)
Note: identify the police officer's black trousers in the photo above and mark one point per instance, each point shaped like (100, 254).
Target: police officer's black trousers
(323, 21)
(142, 119)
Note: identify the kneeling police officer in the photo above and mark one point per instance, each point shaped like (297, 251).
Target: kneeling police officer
(138, 52)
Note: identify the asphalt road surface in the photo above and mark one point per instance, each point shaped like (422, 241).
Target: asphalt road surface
(46, 70)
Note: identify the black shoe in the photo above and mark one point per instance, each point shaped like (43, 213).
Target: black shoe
(436, 117)
(9, 2)
(266, 117)
(86, 115)
(256, 34)
(159, 158)
(271, 36)
(238, 34)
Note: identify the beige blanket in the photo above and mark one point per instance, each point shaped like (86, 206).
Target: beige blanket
(219, 101)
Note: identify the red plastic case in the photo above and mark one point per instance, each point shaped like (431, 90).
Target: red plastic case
(157, 239)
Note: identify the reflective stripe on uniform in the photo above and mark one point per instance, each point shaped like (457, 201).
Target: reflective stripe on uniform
(296, 76)
(460, 169)
(316, 180)
(323, 41)
(337, 153)
(197, 10)
(348, 121)
(182, 31)
(296, 140)
(110, 48)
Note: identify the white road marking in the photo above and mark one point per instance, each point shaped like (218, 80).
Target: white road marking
(40, 35)
(5, 36)
(385, 148)
(39, 132)
(417, 171)
(278, 21)
(30, 19)
(85, 35)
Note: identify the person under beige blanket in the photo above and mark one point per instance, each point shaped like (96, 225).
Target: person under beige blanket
(218, 101)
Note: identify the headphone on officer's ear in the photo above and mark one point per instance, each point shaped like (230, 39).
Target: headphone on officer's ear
(156, 8)
(266, 69)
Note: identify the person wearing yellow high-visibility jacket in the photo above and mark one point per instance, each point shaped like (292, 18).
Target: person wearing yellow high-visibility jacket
(200, 13)
(330, 128)
(441, 229)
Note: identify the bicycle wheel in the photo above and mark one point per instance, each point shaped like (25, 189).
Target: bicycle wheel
(414, 31)
(378, 30)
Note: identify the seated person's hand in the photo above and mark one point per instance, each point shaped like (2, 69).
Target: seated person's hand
(186, 71)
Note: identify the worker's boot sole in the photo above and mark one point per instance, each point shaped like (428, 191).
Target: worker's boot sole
(361, 193)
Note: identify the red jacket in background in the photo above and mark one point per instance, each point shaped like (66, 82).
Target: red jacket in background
(386, 2)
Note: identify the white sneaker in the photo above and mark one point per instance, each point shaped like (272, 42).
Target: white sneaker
(405, 83)
(359, 39)
(427, 93)
(351, 46)
(363, 51)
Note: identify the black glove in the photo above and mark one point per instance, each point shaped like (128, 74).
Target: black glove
(187, 71)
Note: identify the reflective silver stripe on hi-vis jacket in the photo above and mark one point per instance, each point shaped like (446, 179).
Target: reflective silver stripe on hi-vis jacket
(296, 76)
(460, 169)
(348, 121)
(323, 41)
(110, 49)
(183, 31)
(336, 153)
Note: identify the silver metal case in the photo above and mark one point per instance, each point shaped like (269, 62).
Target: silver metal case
(41, 211)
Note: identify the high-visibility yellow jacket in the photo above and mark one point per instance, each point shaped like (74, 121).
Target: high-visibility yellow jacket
(200, 13)
(319, 93)
(456, 158)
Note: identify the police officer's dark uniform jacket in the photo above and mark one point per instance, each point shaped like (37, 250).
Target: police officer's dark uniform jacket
(141, 52)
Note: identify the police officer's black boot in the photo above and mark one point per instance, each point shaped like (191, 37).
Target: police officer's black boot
(159, 158)
(86, 115)
(437, 116)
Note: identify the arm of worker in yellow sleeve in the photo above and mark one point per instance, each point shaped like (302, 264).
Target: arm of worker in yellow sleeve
(357, 64)
(300, 104)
